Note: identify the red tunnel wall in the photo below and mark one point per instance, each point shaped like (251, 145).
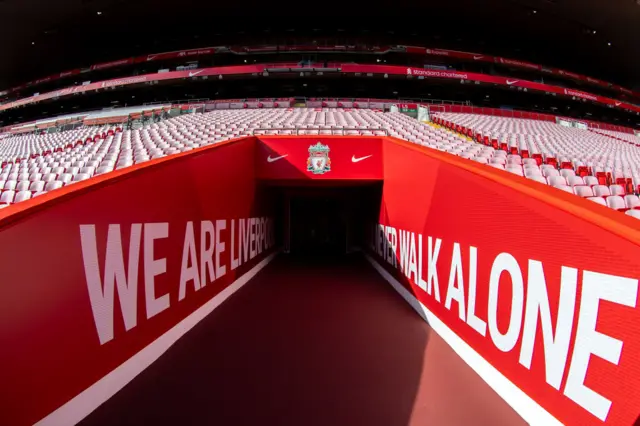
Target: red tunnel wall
(477, 214)
(48, 322)
(51, 349)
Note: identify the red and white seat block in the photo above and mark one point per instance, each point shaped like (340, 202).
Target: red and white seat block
(598, 163)
(32, 165)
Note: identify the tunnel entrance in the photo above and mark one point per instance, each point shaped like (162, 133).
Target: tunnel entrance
(321, 220)
(329, 221)
(318, 223)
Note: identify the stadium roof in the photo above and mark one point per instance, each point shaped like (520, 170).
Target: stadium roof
(40, 38)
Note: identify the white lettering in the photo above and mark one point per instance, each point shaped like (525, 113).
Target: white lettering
(432, 278)
(394, 246)
(385, 255)
(455, 275)
(404, 252)
(261, 234)
(252, 245)
(221, 225)
(474, 322)
(507, 263)
(244, 238)
(189, 256)
(153, 268)
(102, 299)
(556, 347)
(235, 261)
(588, 341)
(207, 231)
(413, 269)
(391, 246)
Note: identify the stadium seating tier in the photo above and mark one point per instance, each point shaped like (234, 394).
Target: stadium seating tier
(35, 164)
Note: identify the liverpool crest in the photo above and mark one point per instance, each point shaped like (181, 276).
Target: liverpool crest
(319, 161)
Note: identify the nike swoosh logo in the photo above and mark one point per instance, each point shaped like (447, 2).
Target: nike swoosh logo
(357, 160)
(478, 57)
(271, 160)
(151, 58)
(191, 74)
(618, 103)
(510, 82)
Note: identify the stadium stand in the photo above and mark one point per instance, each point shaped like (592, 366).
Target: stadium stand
(602, 164)
(626, 137)
(599, 166)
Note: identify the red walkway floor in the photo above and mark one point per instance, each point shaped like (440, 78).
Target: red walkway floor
(318, 343)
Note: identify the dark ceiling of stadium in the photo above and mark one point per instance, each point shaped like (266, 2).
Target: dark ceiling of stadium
(43, 37)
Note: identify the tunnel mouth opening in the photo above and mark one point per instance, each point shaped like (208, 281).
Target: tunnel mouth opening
(324, 221)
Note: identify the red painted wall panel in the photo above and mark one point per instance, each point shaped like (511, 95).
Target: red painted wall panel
(473, 209)
(51, 348)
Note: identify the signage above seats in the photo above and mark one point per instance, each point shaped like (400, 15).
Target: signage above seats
(305, 48)
(519, 64)
(258, 69)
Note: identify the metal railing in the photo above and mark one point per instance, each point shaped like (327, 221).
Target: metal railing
(403, 100)
(433, 101)
(178, 101)
(297, 130)
(312, 99)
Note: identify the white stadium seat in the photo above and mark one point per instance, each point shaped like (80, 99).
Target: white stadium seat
(22, 185)
(557, 181)
(80, 177)
(601, 190)
(21, 196)
(50, 186)
(7, 197)
(590, 180)
(631, 201)
(65, 177)
(575, 181)
(616, 190)
(565, 188)
(37, 186)
(598, 200)
(616, 202)
(566, 158)
(583, 191)
(634, 213)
